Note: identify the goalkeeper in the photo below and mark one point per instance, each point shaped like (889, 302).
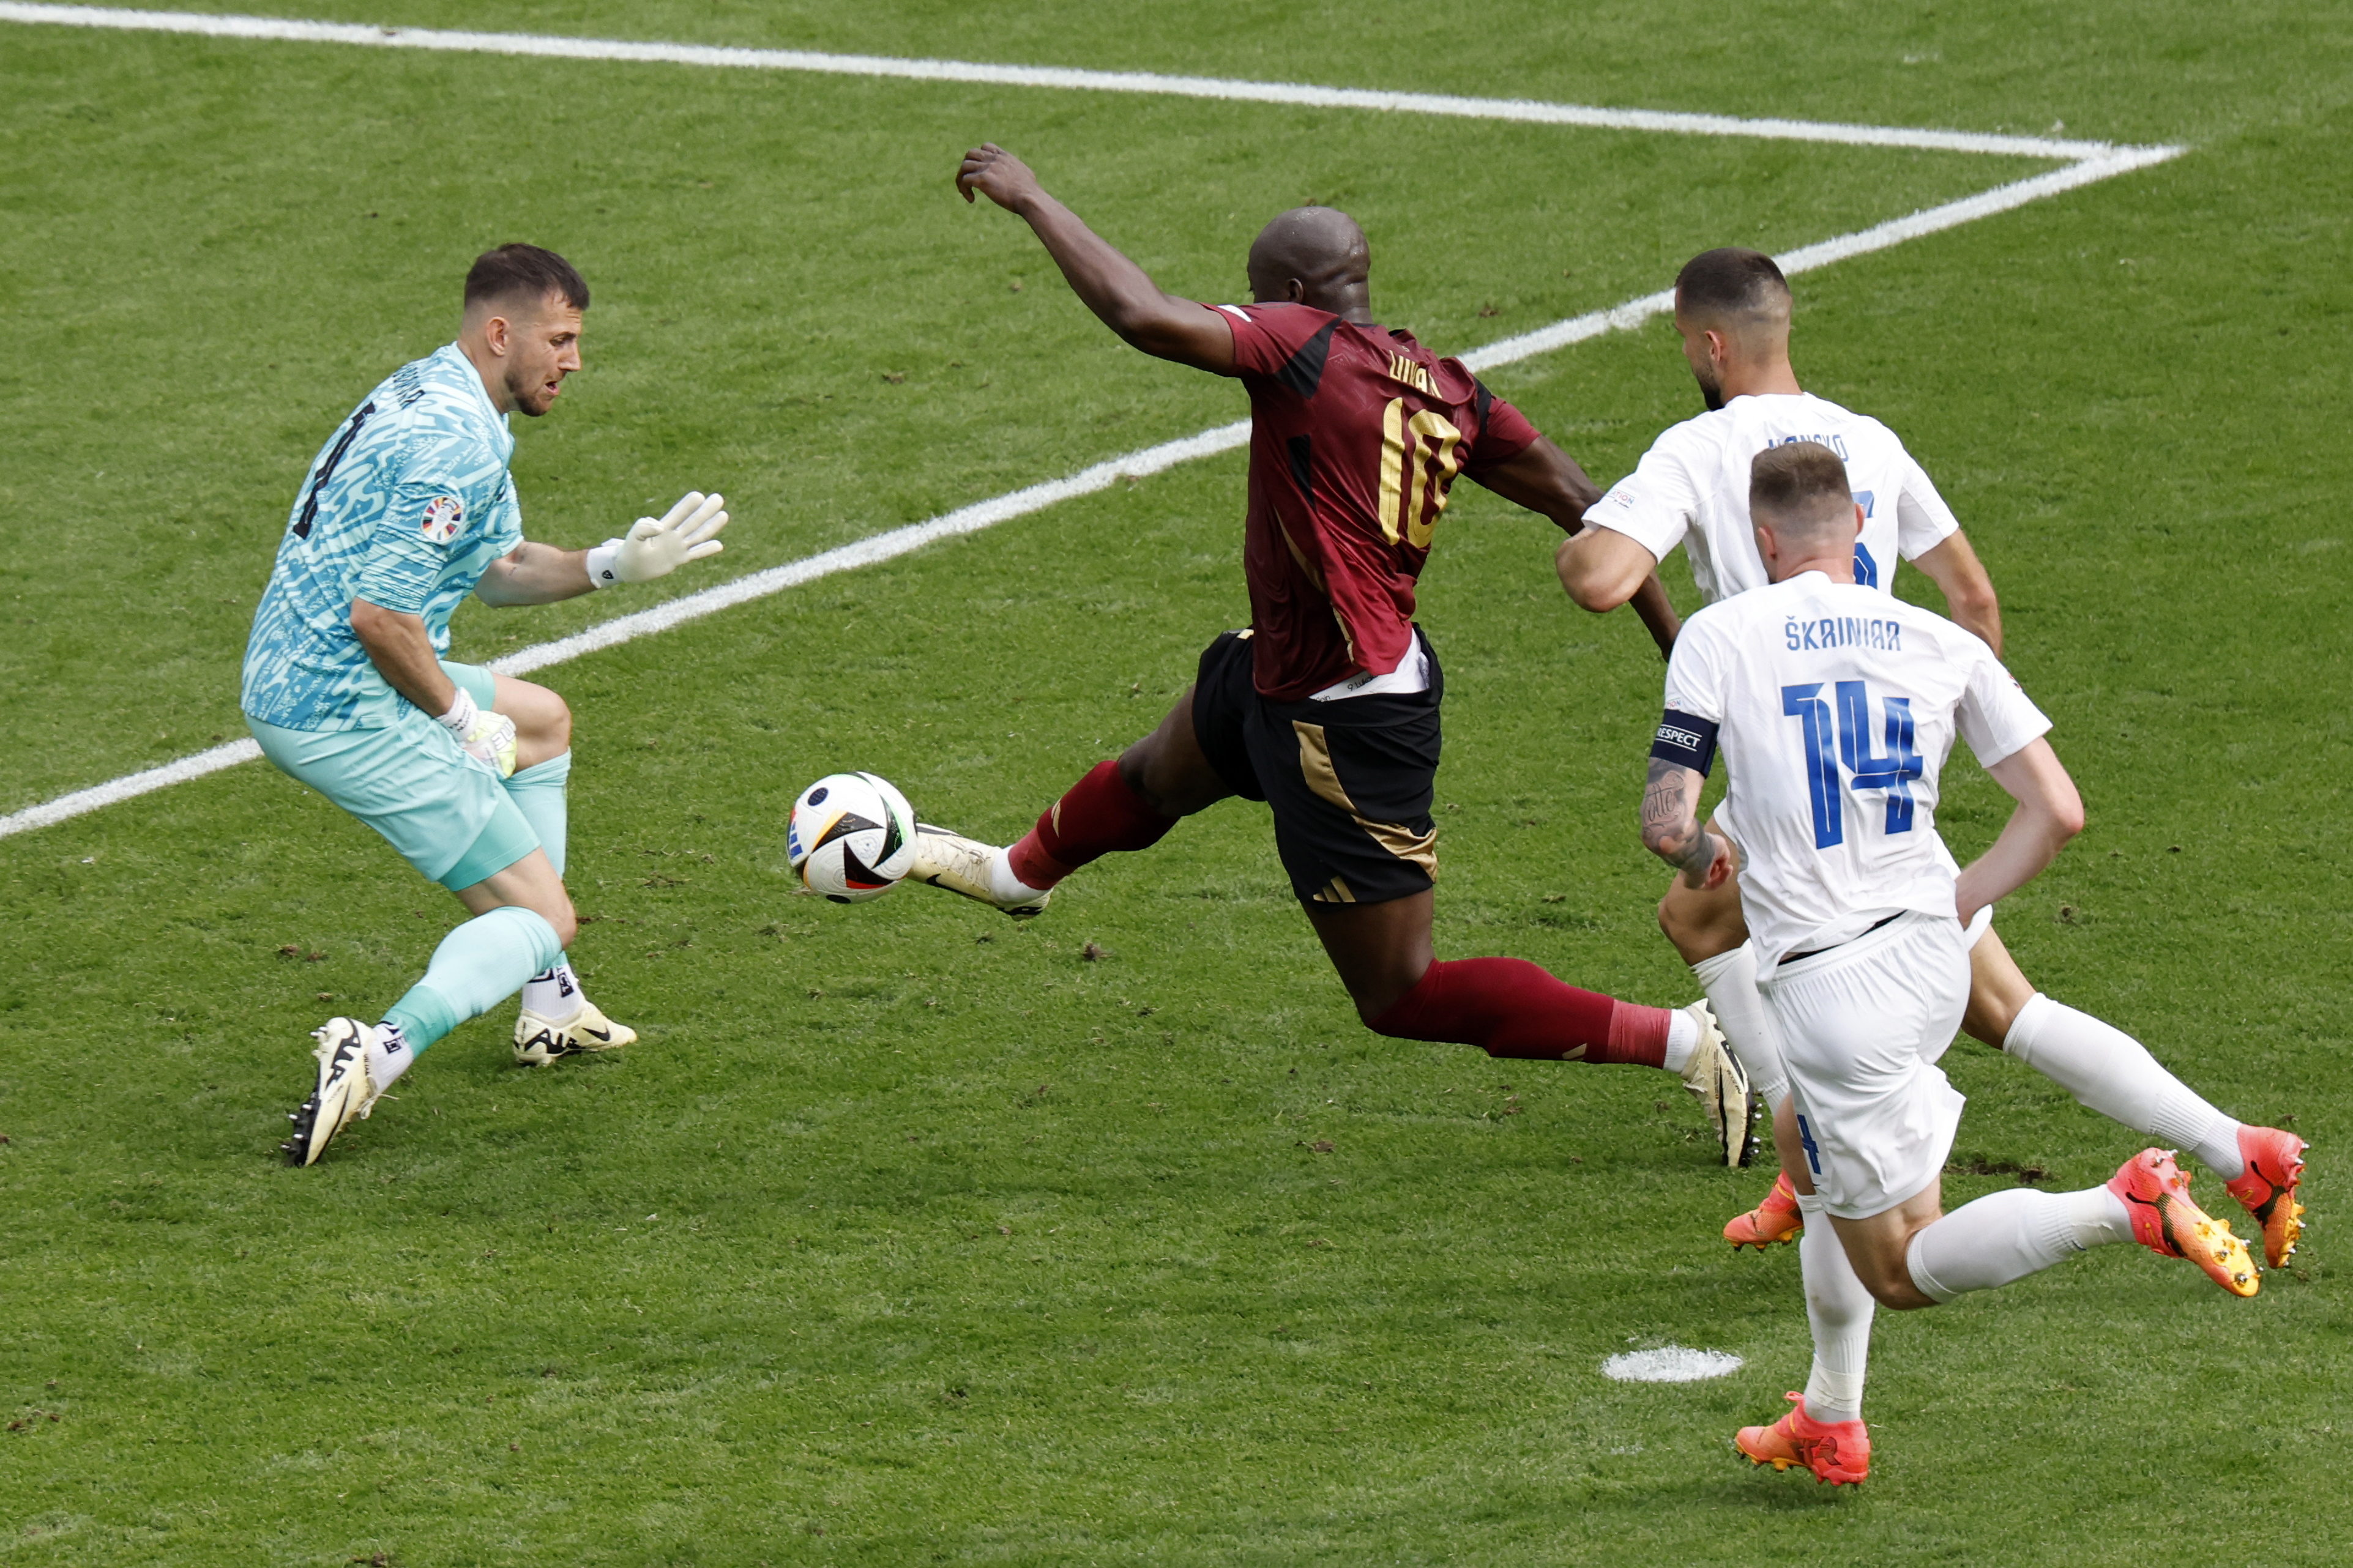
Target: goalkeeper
(407, 510)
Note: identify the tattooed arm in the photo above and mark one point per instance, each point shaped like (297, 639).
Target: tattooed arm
(1672, 830)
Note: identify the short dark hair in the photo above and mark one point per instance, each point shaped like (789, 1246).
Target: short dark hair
(524, 272)
(1730, 280)
(1798, 481)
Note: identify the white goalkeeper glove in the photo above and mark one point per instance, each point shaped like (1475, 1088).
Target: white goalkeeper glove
(485, 735)
(655, 546)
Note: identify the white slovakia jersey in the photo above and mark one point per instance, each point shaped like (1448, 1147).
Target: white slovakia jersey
(1691, 488)
(1836, 706)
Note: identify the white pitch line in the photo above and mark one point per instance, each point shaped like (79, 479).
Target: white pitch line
(1880, 236)
(870, 550)
(81, 802)
(886, 546)
(1526, 110)
(2107, 162)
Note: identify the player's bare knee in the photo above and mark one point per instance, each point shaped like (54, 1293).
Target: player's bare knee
(558, 732)
(1374, 1001)
(1135, 768)
(1672, 922)
(1884, 1265)
(542, 719)
(1377, 988)
(1895, 1297)
(1696, 940)
(547, 720)
(1988, 1020)
(1173, 780)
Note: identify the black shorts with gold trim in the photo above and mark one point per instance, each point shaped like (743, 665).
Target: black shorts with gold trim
(1349, 782)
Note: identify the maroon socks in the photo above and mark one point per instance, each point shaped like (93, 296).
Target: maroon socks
(1510, 1007)
(1505, 1006)
(1100, 813)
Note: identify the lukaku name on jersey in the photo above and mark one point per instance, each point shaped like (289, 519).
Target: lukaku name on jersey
(1326, 706)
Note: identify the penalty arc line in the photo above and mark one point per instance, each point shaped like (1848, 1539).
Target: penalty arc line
(277, 29)
(2106, 162)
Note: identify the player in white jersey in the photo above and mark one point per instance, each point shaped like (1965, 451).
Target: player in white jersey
(1732, 308)
(1835, 708)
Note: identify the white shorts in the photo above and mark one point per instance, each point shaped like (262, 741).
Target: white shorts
(1862, 1025)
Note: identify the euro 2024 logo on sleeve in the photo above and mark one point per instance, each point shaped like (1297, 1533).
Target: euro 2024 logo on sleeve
(443, 515)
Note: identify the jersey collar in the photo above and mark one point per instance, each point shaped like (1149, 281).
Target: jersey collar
(452, 358)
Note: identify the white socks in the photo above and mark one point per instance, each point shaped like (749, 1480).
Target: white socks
(388, 1054)
(2008, 1235)
(554, 993)
(1683, 1038)
(2109, 1071)
(1839, 1311)
(1006, 888)
(1729, 979)
(2001, 1237)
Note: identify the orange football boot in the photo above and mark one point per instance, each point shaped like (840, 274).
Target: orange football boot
(2167, 1221)
(1838, 1452)
(1777, 1218)
(2267, 1189)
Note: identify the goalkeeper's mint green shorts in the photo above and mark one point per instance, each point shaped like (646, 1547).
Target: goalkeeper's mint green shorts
(447, 812)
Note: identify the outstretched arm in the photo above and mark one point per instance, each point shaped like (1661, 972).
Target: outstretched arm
(1543, 478)
(2049, 814)
(654, 547)
(1961, 577)
(1113, 287)
(1672, 830)
(1603, 569)
(534, 575)
(1658, 613)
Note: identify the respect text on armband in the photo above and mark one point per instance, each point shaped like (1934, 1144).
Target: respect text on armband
(1842, 631)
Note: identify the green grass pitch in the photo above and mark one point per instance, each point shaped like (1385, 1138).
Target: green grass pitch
(908, 1235)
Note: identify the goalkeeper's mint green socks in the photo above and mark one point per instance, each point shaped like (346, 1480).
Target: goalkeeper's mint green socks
(478, 965)
(539, 793)
(490, 957)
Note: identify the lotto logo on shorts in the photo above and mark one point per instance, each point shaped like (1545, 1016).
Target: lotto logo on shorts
(443, 514)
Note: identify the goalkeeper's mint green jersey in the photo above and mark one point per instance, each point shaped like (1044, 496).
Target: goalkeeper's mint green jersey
(406, 507)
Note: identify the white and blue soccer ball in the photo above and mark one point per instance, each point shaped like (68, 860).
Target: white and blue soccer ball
(852, 837)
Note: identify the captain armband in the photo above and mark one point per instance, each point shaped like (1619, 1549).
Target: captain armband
(1686, 740)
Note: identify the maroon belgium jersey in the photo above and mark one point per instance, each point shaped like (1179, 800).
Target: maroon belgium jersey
(1356, 435)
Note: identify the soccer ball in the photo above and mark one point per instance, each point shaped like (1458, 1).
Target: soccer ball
(852, 837)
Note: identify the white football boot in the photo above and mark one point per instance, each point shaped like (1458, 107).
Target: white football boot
(966, 866)
(540, 1041)
(1717, 1080)
(344, 1094)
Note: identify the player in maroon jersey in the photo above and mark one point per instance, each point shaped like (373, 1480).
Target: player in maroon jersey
(1327, 707)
